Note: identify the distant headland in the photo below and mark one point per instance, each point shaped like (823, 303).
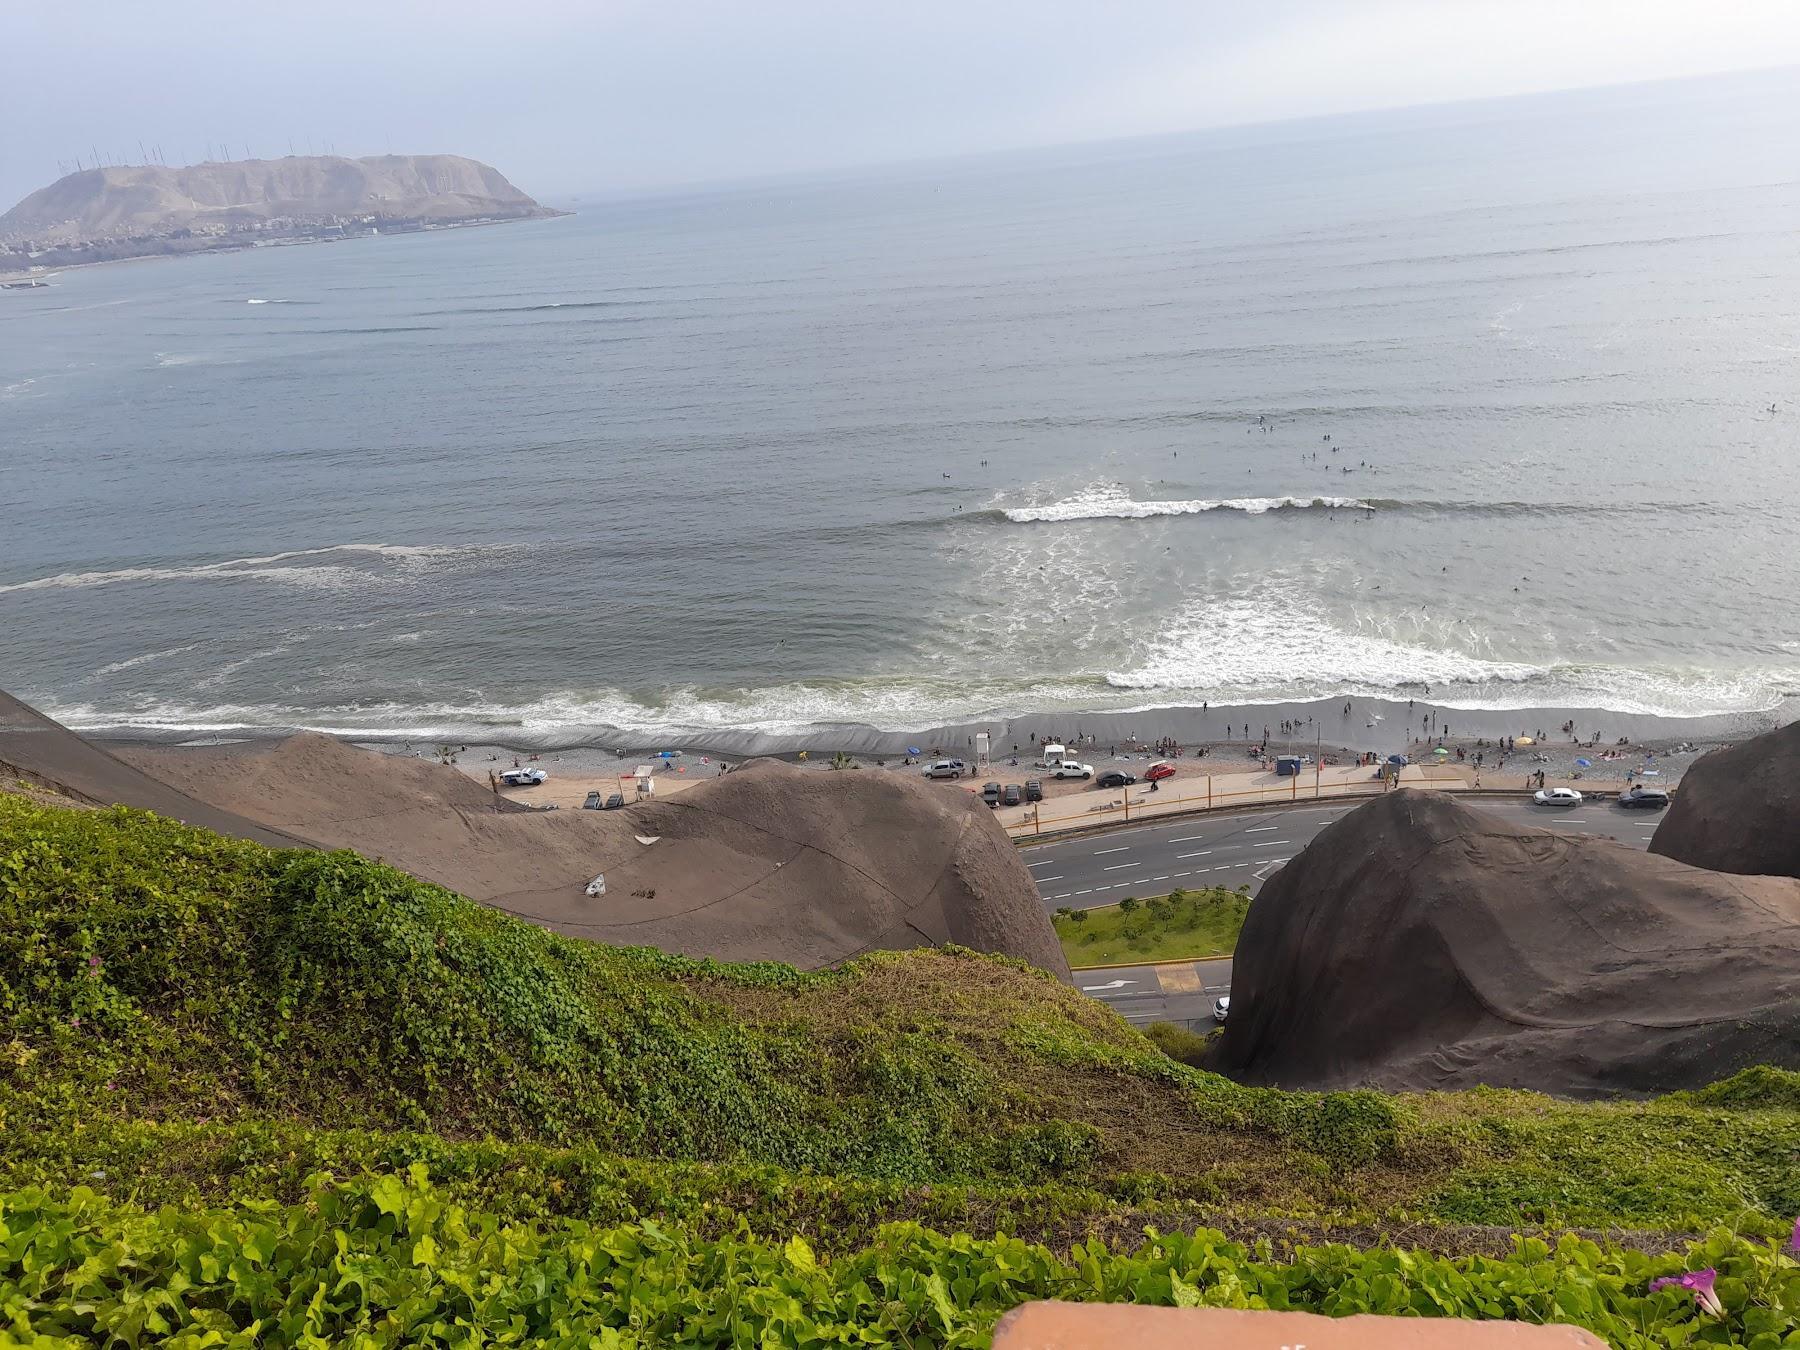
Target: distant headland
(104, 214)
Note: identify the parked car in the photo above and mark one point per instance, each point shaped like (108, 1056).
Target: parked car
(1641, 798)
(990, 793)
(1221, 1008)
(1072, 768)
(1159, 770)
(1034, 790)
(523, 777)
(944, 768)
(593, 802)
(1556, 797)
(1113, 778)
(615, 802)
(1009, 795)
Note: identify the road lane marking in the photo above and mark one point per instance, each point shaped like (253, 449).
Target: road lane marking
(1159, 878)
(1122, 848)
(1114, 984)
(1084, 892)
(1261, 829)
(1190, 839)
(1041, 880)
(1048, 862)
(1115, 867)
(1272, 843)
(1205, 852)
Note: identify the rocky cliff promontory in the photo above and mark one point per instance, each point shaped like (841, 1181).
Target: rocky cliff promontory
(119, 211)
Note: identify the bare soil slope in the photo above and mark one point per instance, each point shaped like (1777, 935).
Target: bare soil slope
(1418, 944)
(767, 863)
(1739, 809)
(38, 750)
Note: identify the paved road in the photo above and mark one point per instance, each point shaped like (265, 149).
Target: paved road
(1177, 991)
(1246, 847)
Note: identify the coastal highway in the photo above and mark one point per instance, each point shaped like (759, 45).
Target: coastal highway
(1243, 848)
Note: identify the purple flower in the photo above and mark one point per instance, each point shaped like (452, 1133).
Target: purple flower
(93, 963)
(75, 1021)
(1700, 1283)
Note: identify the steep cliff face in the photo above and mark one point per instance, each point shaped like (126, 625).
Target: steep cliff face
(119, 203)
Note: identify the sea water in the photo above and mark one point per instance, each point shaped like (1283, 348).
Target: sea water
(1501, 399)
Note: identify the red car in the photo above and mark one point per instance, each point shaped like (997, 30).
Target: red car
(1160, 769)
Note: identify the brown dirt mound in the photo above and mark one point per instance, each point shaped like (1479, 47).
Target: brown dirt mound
(43, 752)
(767, 863)
(1419, 944)
(1739, 809)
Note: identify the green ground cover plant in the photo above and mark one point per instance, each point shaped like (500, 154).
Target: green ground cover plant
(1179, 926)
(213, 1026)
(387, 1261)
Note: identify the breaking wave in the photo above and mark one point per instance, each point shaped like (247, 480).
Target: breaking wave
(1110, 502)
(271, 567)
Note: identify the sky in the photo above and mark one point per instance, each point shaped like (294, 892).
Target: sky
(586, 97)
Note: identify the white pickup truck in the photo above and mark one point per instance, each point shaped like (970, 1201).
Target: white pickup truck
(1073, 768)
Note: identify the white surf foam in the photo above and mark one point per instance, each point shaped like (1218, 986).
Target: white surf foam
(266, 568)
(1109, 501)
(1273, 645)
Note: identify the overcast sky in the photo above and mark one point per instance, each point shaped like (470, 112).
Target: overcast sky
(584, 96)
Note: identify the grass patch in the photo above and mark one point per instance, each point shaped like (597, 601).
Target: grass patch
(1179, 926)
(187, 1019)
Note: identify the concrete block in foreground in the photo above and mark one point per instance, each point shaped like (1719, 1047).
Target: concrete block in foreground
(1105, 1326)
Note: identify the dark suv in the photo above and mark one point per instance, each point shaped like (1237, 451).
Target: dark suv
(1642, 798)
(990, 793)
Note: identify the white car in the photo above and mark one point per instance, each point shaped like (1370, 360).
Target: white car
(1071, 768)
(1221, 1008)
(523, 777)
(944, 768)
(1557, 797)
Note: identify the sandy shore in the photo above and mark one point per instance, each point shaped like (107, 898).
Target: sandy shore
(575, 770)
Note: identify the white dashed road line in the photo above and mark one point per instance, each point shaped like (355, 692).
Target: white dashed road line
(1261, 829)
(1122, 848)
(1120, 866)
(1272, 843)
(1205, 852)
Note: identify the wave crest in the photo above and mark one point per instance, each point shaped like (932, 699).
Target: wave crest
(1112, 502)
(265, 568)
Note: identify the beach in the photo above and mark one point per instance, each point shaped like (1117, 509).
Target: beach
(1656, 750)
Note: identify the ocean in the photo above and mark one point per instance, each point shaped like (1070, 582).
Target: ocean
(1496, 404)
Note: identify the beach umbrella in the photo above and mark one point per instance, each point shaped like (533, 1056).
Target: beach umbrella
(1585, 763)
(1441, 750)
(914, 750)
(1523, 740)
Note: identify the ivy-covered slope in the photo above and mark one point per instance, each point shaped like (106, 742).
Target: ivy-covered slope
(187, 1017)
